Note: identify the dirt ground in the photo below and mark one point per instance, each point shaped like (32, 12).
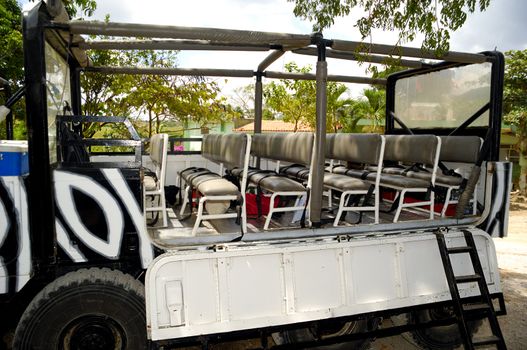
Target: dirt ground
(512, 261)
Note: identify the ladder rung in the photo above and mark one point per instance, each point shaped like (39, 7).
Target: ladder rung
(468, 278)
(476, 307)
(457, 250)
(485, 340)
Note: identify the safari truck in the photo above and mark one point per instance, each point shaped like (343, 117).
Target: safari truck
(300, 240)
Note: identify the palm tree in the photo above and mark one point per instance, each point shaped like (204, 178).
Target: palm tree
(371, 106)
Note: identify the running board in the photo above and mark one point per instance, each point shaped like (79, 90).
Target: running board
(239, 287)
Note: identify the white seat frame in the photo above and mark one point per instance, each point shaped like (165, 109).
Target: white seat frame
(200, 216)
(160, 171)
(345, 194)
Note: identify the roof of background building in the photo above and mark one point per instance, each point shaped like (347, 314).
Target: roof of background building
(275, 126)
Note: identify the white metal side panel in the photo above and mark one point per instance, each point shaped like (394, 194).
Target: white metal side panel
(204, 292)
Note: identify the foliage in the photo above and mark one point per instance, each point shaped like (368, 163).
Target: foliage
(11, 54)
(434, 18)
(244, 103)
(78, 8)
(515, 105)
(371, 106)
(296, 99)
(161, 98)
(12, 61)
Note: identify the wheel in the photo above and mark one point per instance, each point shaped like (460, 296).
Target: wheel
(442, 337)
(327, 330)
(86, 309)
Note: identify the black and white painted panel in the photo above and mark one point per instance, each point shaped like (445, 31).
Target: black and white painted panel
(96, 214)
(15, 250)
(497, 221)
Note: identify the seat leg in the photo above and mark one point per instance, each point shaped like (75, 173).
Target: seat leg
(270, 214)
(447, 202)
(377, 194)
(244, 216)
(163, 208)
(341, 208)
(400, 206)
(185, 201)
(432, 202)
(198, 217)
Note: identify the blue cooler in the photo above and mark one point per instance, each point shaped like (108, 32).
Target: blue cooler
(13, 158)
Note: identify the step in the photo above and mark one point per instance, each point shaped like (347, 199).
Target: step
(476, 307)
(468, 278)
(480, 341)
(458, 250)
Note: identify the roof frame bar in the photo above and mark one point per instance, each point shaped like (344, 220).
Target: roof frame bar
(169, 44)
(352, 56)
(405, 51)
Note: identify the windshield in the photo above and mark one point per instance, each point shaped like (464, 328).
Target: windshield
(445, 98)
(58, 94)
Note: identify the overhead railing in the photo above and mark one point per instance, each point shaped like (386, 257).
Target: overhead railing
(235, 37)
(167, 44)
(353, 56)
(208, 72)
(404, 51)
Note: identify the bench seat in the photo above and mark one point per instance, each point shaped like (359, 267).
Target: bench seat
(296, 171)
(441, 179)
(344, 182)
(270, 181)
(217, 187)
(230, 151)
(400, 181)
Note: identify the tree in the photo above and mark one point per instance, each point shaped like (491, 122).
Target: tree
(371, 106)
(12, 61)
(515, 106)
(434, 18)
(296, 99)
(244, 103)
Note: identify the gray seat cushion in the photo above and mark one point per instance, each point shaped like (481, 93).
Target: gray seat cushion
(198, 180)
(441, 179)
(357, 173)
(269, 182)
(217, 187)
(274, 183)
(190, 173)
(344, 183)
(399, 181)
(295, 171)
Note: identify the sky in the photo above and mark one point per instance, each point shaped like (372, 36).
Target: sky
(502, 26)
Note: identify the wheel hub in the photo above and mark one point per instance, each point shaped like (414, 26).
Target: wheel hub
(93, 332)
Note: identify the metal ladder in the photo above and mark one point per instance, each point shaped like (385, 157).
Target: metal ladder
(483, 305)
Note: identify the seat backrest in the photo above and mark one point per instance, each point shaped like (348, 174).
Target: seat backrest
(354, 148)
(411, 148)
(460, 149)
(228, 149)
(158, 154)
(288, 147)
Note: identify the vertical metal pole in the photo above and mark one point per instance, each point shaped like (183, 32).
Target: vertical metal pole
(41, 205)
(258, 104)
(258, 108)
(320, 136)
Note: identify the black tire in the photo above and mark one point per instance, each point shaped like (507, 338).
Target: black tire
(85, 309)
(300, 335)
(442, 337)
